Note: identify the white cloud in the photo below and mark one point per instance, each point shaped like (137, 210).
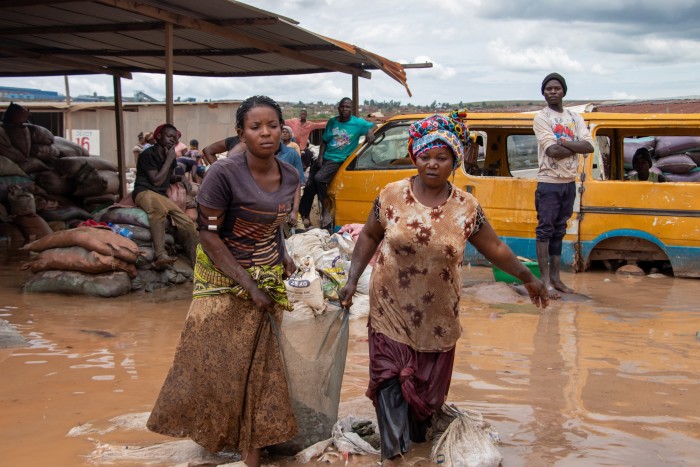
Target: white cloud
(480, 50)
(622, 95)
(531, 58)
(599, 69)
(669, 50)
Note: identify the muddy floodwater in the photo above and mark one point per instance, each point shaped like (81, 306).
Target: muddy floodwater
(610, 378)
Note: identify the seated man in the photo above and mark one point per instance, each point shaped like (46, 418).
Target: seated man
(154, 174)
(641, 163)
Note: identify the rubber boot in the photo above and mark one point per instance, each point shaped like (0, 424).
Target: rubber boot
(543, 259)
(554, 269)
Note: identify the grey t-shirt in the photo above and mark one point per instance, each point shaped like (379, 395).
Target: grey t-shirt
(252, 216)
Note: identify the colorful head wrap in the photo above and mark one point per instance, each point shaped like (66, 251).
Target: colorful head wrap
(439, 131)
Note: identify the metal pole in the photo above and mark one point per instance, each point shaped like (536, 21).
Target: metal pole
(119, 120)
(67, 121)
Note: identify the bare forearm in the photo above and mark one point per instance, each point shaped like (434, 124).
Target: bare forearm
(208, 156)
(297, 198)
(361, 255)
(162, 175)
(577, 147)
(224, 260)
(370, 237)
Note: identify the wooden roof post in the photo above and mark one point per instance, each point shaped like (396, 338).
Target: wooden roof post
(169, 110)
(355, 95)
(119, 121)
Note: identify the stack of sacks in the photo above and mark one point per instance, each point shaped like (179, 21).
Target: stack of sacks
(678, 157)
(19, 221)
(65, 181)
(331, 255)
(82, 261)
(147, 277)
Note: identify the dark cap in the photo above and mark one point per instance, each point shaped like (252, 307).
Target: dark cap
(556, 76)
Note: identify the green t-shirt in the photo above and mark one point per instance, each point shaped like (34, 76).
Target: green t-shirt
(343, 138)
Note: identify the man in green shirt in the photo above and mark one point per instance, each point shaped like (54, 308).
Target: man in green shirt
(340, 138)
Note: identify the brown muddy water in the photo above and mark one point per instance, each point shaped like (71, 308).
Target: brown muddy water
(612, 379)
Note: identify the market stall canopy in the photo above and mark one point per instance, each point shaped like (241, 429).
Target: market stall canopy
(219, 38)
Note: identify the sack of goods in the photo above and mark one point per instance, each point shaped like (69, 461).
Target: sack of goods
(304, 285)
(314, 352)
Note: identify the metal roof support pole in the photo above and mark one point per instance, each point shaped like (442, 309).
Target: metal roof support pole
(67, 120)
(355, 95)
(119, 121)
(169, 110)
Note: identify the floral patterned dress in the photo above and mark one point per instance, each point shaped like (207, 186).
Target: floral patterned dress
(416, 281)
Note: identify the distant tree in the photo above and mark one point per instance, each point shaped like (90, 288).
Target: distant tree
(433, 105)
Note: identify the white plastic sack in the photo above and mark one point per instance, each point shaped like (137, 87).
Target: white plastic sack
(345, 244)
(346, 440)
(326, 259)
(305, 285)
(311, 243)
(465, 443)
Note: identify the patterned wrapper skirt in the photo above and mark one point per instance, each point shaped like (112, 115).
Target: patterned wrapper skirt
(226, 389)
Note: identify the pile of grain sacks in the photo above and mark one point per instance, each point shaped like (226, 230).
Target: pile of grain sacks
(65, 183)
(676, 157)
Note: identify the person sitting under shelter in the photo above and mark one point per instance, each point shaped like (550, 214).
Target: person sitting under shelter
(154, 174)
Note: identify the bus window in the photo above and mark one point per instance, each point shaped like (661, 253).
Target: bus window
(522, 155)
(389, 151)
(601, 158)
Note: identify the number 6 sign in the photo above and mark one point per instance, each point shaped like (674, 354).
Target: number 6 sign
(89, 139)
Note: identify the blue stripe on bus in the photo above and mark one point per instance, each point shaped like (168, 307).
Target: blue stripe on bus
(685, 260)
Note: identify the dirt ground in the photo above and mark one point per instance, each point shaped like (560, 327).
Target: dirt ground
(608, 377)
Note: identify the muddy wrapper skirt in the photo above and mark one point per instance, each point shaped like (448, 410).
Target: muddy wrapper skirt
(407, 387)
(226, 389)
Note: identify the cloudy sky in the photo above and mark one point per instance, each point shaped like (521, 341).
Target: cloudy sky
(480, 50)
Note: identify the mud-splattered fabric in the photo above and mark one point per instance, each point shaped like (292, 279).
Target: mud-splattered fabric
(416, 280)
(226, 389)
(209, 280)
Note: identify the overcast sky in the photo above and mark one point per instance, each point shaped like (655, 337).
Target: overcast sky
(480, 50)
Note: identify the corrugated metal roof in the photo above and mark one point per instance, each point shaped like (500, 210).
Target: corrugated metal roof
(210, 38)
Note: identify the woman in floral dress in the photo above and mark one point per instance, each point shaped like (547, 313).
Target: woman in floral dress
(421, 226)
